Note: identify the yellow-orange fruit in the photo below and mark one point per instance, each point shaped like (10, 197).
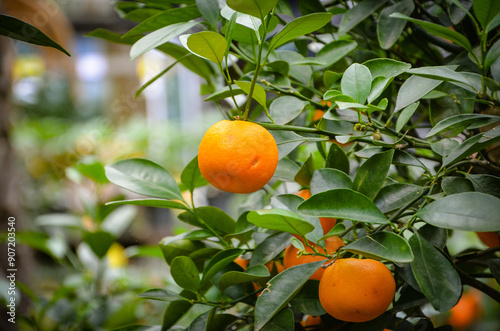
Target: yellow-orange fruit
(466, 311)
(490, 239)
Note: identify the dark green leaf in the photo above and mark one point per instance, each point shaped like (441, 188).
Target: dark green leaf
(159, 203)
(389, 29)
(191, 176)
(492, 55)
(372, 174)
(494, 265)
(99, 242)
(185, 273)
(458, 123)
(144, 177)
(210, 10)
(358, 13)
(307, 300)
(335, 51)
(436, 236)
(236, 277)
(225, 93)
(174, 311)
(337, 159)
(200, 323)
(256, 8)
(406, 115)
(395, 196)
(16, 29)
(342, 203)
(281, 290)
(485, 183)
(413, 89)
(329, 179)
(271, 247)
(172, 247)
(443, 147)
(286, 109)
(382, 245)
(453, 185)
(160, 295)
(139, 327)
(218, 262)
(435, 275)
(472, 145)
(469, 211)
(281, 220)
(211, 217)
(486, 10)
(284, 321)
(304, 175)
(287, 141)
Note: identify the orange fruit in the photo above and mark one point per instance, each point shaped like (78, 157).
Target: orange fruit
(241, 262)
(327, 223)
(466, 311)
(490, 239)
(311, 321)
(237, 156)
(355, 290)
(318, 113)
(291, 259)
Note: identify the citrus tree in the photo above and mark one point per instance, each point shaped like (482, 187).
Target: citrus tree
(383, 113)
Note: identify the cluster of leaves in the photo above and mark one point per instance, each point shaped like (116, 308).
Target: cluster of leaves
(413, 95)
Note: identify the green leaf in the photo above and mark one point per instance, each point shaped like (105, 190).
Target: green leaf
(329, 179)
(337, 159)
(166, 18)
(299, 27)
(358, 13)
(444, 73)
(159, 37)
(16, 29)
(256, 8)
(383, 72)
(259, 94)
(139, 327)
(486, 10)
(372, 174)
(171, 247)
(92, 170)
(144, 177)
(307, 299)
(356, 82)
(406, 115)
(335, 51)
(224, 93)
(453, 185)
(457, 123)
(342, 203)
(492, 55)
(281, 220)
(335, 231)
(438, 30)
(218, 262)
(281, 290)
(468, 211)
(185, 273)
(213, 217)
(175, 310)
(159, 203)
(99, 242)
(435, 275)
(236, 277)
(286, 170)
(413, 89)
(271, 247)
(443, 147)
(304, 175)
(287, 141)
(209, 45)
(382, 245)
(191, 176)
(283, 321)
(389, 29)
(210, 10)
(395, 196)
(494, 265)
(485, 183)
(472, 145)
(286, 108)
(160, 295)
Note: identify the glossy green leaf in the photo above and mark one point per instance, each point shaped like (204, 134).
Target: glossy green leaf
(286, 169)
(210, 10)
(468, 211)
(286, 109)
(444, 73)
(191, 176)
(99, 242)
(144, 177)
(453, 185)
(166, 18)
(307, 300)
(337, 159)
(259, 94)
(358, 13)
(283, 321)
(495, 22)
(287, 141)
(200, 323)
(92, 170)
(356, 82)
(486, 10)
(209, 45)
(405, 115)
(406, 159)
(185, 273)
(256, 8)
(472, 145)
(159, 37)
(342, 203)
(443, 147)
(16, 29)
(335, 231)
(160, 295)
(299, 27)
(159, 203)
(174, 311)
(382, 245)
(372, 174)
(435, 275)
(225, 93)
(435, 236)
(329, 179)
(389, 29)
(236, 277)
(171, 247)
(335, 51)
(485, 183)
(383, 72)
(219, 261)
(413, 89)
(458, 123)
(304, 175)
(494, 265)
(492, 55)
(281, 220)
(438, 30)
(211, 217)
(271, 247)
(395, 196)
(281, 290)
(217, 322)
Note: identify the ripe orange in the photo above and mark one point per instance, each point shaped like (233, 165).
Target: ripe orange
(355, 290)
(311, 321)
(466, 311)
(318, 113)
(490, 239)
(241, 262)
(237, 156)
(327, 223)
(291, 259)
